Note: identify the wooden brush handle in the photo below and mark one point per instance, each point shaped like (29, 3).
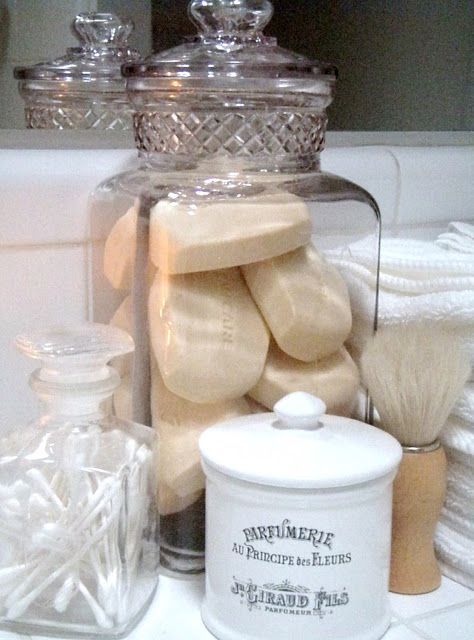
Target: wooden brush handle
(418, 495)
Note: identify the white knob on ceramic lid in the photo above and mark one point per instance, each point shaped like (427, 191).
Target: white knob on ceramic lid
(300, 410)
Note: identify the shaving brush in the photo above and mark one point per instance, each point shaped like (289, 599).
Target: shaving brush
(415, 374)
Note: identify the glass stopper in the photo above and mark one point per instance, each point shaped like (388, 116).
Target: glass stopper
(80, 352)
(221, 17)
(98, 30)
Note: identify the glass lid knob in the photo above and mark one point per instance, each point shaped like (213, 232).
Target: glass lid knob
(102, 29)
(221, 17)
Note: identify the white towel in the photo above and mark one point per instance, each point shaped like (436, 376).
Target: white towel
(460, 481)
(459, 522)
(459, 237)
(464, 407)
(414, 266)
(457, 575)
(455, 553)
(453, 310)
(459, 435)
(418, 281)
(454, 455)
(460, 512)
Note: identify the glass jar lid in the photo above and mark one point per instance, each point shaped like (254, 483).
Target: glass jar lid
(103, 49)
(298, 446)
(231, 91)
(231, 52)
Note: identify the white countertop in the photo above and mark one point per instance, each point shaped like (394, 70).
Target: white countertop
(444, 614)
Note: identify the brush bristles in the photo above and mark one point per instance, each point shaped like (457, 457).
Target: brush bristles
(415, 374)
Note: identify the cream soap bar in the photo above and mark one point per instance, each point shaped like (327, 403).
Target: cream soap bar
(122, 319)
(334, 379)
(192, 236)
(304, 301)
(119, 251)
(170, 502)
(179, 424)
(207, 334)
(122, 399)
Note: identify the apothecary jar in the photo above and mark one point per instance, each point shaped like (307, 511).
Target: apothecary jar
(84, 88)
(225, 252)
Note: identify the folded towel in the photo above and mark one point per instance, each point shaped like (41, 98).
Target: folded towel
(461, 511)
(454, 536)
(453, 310)
(412, 266)
(459, 237)
(455, 553)
(460, 457)
(461, 523)
(464, 407)
(457, 575)
(460, 481)
(418, 282)
(458, 434)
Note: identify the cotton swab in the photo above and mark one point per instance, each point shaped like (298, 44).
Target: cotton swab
(56, 538)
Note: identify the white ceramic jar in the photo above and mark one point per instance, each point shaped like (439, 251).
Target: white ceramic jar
(298, 525)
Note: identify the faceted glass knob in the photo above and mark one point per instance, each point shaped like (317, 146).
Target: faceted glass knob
(102, 29)
(230, 16)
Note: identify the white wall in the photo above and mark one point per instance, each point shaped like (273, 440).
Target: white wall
(44, 229)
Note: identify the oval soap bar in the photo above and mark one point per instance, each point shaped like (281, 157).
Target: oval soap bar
(334, 379)
(179, 424)
(304, 301)
(170, 502)
(119, 251)
(189, 235)
(122, 319)
(122, 399)
(207, 334)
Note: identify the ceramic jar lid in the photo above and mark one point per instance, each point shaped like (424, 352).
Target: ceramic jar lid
(299, 446)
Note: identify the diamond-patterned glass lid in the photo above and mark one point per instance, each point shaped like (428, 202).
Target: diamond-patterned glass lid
(103, 49)
(230, 51)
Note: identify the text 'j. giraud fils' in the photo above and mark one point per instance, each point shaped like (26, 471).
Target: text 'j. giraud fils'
(284, 596)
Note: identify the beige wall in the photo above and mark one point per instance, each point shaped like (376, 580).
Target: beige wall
(403, 64)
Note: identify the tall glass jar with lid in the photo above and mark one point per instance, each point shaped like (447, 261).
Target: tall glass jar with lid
(225, 252)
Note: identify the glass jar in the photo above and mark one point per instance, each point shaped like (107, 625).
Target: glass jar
(79, 526)
(223, 253)
(84, 89)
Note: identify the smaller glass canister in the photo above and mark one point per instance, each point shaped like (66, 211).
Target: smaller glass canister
(83, 89)
(298, 525)
(78, 518)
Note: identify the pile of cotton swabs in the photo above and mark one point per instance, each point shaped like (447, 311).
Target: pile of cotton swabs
(76, 529)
